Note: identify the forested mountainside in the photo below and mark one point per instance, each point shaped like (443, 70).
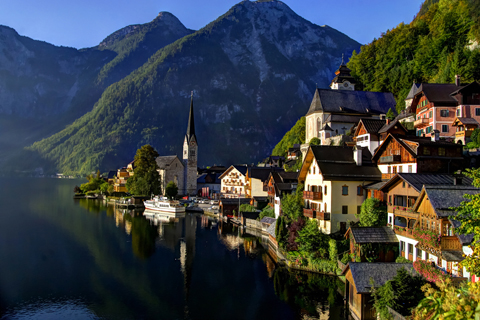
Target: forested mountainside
(442, 41)
(253, 72)
(43, 88)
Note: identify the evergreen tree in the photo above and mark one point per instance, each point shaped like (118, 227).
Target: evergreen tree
(372, 213)
(171, 190)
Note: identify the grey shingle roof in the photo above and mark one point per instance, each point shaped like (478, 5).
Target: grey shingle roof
(443, 198)
(262, 173)
(373, 125)
(439, 93)
(464, 239)
(390, 125)
(268, 220)
(467, 120)
(413, 91)
(418, 180)
(337, 163)
(373, 235)
(164, 161)
(452, 255)
(375, 185)
(271, 229)
(379, 272)
(363, 102)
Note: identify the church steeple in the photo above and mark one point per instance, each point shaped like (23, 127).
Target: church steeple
(191, 124)
(343, 79)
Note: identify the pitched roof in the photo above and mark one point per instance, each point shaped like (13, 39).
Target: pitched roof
(268, 220)
(438, 93)
(474, 86)
(190, 135)
(375, 185)
(337, 163)
(372, 125)
(271, 229)
(373, 235)
(241, 169)
(362, 272)
(393, 123)
(418, 180)
(262, 173)
(465, 239)
(347, 101)
(442, 198)
(463, 120)
(413, 91)
(164, 161)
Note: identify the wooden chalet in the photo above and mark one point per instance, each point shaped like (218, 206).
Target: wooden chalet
(382, 241)
(371, 133)
(358, 285)
(436, 220)
(417, 155)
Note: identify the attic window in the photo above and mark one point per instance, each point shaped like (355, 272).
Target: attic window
(368, 110)
(341, 108)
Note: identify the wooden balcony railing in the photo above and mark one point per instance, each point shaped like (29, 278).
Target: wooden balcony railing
(403, 212)
(310, 195)
(309, 213)
(403, 231)
(390, 159)
(449, 243)
(387, 176)
(323, 215)
(421, 122)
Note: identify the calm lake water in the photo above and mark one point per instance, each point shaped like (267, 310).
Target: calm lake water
(78, 259)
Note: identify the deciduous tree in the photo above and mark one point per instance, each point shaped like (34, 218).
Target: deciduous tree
(171, 190)
(146, 179)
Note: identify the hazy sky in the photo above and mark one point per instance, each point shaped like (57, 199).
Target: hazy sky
(86, 23)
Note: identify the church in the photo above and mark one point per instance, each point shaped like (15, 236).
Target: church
(333, 112)
(182, 172)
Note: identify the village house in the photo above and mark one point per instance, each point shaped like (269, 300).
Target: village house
(209, 185)
(438, 105)
(376, 243)
(233, 182)
(279, 184)
(417, 155)
(420, 215)
(257, 180)
(120, 180)
(371, 133)
(358, 285)
(334, 179)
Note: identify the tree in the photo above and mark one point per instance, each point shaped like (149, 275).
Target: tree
(469, 217)
(146, 179)
(372, 213)
(171, 190)
(245, 207)
(281, 232)
(390, 115)
(315, 142)
(311, 239)
(266, 212)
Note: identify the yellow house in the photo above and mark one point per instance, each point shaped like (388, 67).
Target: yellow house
(333, 179)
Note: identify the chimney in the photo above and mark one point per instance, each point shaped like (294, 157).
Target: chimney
(457, 180)
(357, 155)
(435, 135)
(388, 120)
(457, 80)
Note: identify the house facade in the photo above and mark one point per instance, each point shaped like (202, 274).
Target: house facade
(399, 154)
(333, 179)
(234, 182)
(170, 168)
(279, 184)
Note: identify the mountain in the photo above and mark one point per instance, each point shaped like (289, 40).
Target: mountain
(253, 72)
(442, 41)
(43, 88)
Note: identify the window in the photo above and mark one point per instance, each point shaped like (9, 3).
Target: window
(325, 192)
(345, 191)
(430, 114)
(400, 170)
(402, 246)
(394, 169)
(403, 184)
(441, 151)
(426, 151)
(429, 129)
(458, 112)
(444, 127)
(359, 191)
(410, 249)
(389, 169)
(477, 111)
(313, 170)
(359, 209)
(344, 209)
(372, 194)
(419, 253)
(409, 169)
(444, 113)
(390, 219)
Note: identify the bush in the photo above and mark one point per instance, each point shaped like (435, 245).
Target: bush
(401, 259)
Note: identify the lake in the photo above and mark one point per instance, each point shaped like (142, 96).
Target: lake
(62, 258)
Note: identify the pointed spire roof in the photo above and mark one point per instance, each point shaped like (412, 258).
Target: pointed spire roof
(191, 124)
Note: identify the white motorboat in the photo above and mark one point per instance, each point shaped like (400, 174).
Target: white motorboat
(158, 204)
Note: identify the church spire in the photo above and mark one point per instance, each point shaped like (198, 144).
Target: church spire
(191, 123)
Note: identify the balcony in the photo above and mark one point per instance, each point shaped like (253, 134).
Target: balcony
(390, 159)
(403, 231)
(310, 195)
(323, 215)
(309, 213)
(421, 122)
(403, 211)
(387, 176)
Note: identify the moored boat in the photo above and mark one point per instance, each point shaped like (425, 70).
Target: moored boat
(158, 204)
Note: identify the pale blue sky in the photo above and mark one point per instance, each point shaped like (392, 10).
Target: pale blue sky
(86, 23)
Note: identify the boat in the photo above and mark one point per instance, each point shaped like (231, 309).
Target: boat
(158, 204)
